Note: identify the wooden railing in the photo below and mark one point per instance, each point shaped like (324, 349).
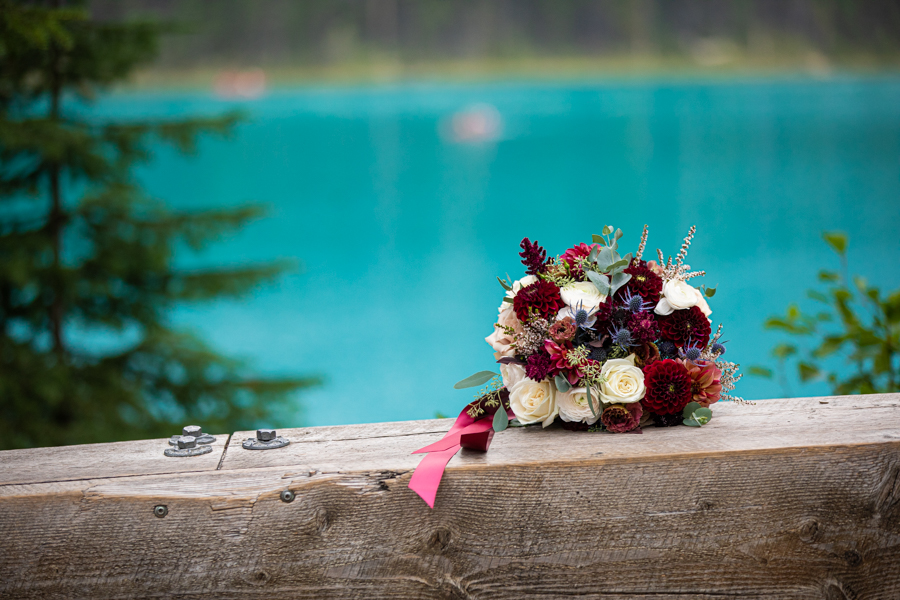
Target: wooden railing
(789, 499)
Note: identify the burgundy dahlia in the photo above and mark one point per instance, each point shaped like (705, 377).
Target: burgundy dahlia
(540, 298)
(644, 281)
(533, 256)
(686, 327)
(643, 328)
(668, 385)
(538, 366)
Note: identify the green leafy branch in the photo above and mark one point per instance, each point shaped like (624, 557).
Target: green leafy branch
(855, 320)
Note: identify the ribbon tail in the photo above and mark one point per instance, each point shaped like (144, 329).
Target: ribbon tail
(427, 476)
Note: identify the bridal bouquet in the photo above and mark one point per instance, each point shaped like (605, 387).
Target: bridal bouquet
(599, 342)
(603, 341)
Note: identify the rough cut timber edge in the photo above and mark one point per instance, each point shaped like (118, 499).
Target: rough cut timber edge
(813, 520)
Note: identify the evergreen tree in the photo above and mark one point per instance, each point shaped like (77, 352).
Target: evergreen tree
(83, 250)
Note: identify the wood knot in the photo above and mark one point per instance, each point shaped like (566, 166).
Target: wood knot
(810, 531)
(439, 540)
(705, 505)
(322, 520)
(853, 558)
(259, 578)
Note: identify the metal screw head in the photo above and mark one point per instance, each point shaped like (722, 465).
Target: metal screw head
(161, 510)
(192, 430)
(187, 441)
(265, 435)
(287, 496)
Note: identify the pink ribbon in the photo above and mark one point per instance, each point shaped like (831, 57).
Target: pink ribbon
(427, 476)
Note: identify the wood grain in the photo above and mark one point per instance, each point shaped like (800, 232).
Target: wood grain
(792, 500)
(115, 459)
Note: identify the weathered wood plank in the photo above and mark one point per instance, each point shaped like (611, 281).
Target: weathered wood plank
(116, 459)
(766, 425)
(817, 517)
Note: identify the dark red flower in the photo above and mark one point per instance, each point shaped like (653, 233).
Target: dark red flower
(644, 282)
(576, 252)
(538, 366)
(533, 256)
(686, 327)
(668, 386)
(579, 251)
(559, 360)
(643, 328)
(622, 418)
(604, 314)
(540, 298)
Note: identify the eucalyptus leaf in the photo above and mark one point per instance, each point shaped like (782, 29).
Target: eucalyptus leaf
(618, 280)
(618, 235)
(590, 400)
(607, 229)
(601, 282)
(691, 423)
(562, 384)
(618, 265)
(507, 299)
(690, 408)
(505, 285)
(597, 239)
(478, 378)
(606, 257)
(710, 292)
(703, 412)
(501, 419)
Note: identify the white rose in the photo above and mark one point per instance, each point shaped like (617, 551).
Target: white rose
(702, 304)
(512, 374)
(624, 382)
(676, 295)
(500, 340)
(519, 284)
(584, 292)
(573, 405)
(533, 402)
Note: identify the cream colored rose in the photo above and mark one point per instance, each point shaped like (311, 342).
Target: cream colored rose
(573, 405)
(533, 402)
(500, 340)
(676, 295)
(512, 374)
(623, 382)
(584, 292)
(702, 304)
(519, 284)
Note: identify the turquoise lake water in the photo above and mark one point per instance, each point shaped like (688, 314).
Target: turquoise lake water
(401, 230)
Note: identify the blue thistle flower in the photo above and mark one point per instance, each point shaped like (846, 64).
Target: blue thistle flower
(621, 337)
(634, 302)
(597, 354)
(718, 348)
(667, 349)
(583, 318)
(691, 352)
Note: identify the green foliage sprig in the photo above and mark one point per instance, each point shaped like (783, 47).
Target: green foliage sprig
(855, 320)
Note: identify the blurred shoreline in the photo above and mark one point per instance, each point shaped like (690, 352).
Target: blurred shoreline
(381, 70)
